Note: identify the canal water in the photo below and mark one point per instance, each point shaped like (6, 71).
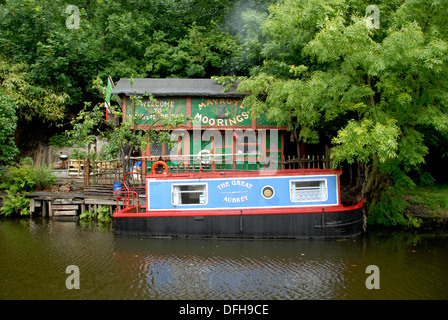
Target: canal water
(35, 254)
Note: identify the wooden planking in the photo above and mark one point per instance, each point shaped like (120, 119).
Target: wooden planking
(72, 204)
(67, 201)
(65, 213)
(65, 206)
(104, 202)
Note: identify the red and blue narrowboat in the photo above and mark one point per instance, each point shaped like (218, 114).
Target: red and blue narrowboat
(280, 204)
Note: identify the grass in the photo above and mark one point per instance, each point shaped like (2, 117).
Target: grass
(429, 200)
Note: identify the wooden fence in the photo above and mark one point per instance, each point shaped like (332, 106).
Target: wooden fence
(107, 172)
(309, 162)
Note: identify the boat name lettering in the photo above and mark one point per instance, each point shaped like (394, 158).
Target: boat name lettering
(234, 183)
(235, 200)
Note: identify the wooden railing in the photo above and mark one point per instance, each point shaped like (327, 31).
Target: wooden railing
(309, 162)
(107, 172)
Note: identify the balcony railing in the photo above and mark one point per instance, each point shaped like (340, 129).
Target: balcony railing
(107, 172)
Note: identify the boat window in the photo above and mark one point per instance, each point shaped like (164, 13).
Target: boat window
(308, 190)
(187, 194)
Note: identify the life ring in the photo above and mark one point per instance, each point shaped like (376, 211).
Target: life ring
(158, 163)
(204, 156)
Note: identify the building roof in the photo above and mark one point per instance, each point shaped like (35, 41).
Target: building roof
(174, 87)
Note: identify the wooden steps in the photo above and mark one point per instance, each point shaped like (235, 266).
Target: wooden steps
(65, 207)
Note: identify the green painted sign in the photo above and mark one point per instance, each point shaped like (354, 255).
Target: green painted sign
(208, 112)
(223, 112)
(220, 112)
(165, 106)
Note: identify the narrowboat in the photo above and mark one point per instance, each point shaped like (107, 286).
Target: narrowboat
(280, 204)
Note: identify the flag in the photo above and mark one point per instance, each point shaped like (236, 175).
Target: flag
(107, 100)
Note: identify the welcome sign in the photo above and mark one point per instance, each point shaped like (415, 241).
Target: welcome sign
(163, 106)
(208, 112)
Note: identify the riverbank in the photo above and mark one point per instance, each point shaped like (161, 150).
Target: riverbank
(426, 205)
(429, 204)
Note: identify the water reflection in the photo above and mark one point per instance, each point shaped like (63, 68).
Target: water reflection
(226, 269)
(35, 253)
(218, 269)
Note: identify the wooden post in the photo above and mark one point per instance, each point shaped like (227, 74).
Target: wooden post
(86, 172)
(212, 156)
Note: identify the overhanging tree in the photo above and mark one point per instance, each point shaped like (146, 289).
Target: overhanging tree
(383, 87)
(90, 124)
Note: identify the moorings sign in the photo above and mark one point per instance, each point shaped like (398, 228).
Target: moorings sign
(211, 112)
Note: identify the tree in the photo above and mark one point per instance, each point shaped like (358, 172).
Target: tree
(55, 66)
(8, 123)
(198, 54)
(91, 124)
(22, 101)
(384, 88)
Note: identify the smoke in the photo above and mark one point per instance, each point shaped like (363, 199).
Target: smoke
(235, 21)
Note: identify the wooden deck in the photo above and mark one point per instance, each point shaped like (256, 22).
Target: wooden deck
(72, 204)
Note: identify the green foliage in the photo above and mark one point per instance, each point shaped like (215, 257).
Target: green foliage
(59, 141)
(47, 71)
(361, 140)
(30, 100)
(434, 197)
(26, 178)
(87, 215)
(8, 124)
(17, 181)
(103, 215)
(90, 124)
(43, 177)
(19, 178)
(383, 89)
(199, 53)
(15, 203)
(388, 206)
(26, 161)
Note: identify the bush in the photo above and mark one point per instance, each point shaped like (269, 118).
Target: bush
(43, 178)
(15, 203)
(389, 211)
(24, 178)
(26, 161)
(102, 215)
(17, 181)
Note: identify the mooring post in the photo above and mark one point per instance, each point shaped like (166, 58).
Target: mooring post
(86, 172)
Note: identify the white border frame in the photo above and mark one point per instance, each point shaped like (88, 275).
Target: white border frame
(190, 184)
(306, 180)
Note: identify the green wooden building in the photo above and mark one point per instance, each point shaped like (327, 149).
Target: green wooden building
(222, 135)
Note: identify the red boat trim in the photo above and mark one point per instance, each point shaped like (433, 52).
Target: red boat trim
(127, 213)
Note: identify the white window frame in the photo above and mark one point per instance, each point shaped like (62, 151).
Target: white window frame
(292, 188)
(175, 194)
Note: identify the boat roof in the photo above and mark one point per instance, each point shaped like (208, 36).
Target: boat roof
(164, 87)
(242, 174)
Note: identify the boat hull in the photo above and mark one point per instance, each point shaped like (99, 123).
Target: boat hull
(338, 223)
